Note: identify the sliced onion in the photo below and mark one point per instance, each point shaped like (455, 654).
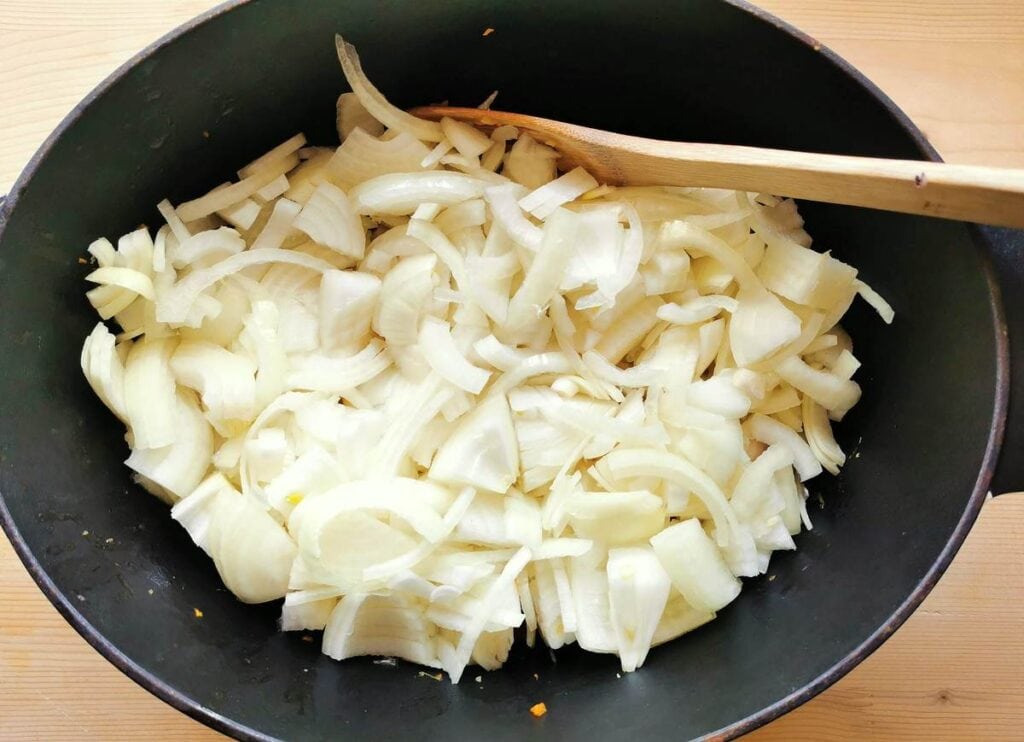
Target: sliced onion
(506, 579)
(443, 355)
(174, 307)
(399, 194)
(362, 157)
(278, 153)
(509, 215)
(469, 141)
(376, 104)
(872, 297)
(274, 232)
(337, 374)
(202, 246)
(225, 197)
(545, 273)
(126, 278)
(504, 369)
(351, 114)
(542, 201)
(329, 218)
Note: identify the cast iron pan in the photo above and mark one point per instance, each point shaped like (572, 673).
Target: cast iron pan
(186, 112)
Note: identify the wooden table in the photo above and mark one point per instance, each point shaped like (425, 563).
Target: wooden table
(954, 671)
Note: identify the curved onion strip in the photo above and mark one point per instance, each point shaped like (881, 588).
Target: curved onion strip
(336, 375)
(383, 570)
(506, 579)
(229, 195)
(772, 432)
(510, 216)
(126, 278)
(626, 463)
(444, 357)
(351, 114)
(280, 152)
(376, 104)
(398, 194)
(174, 307)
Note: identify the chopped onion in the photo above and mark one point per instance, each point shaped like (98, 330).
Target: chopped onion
(104, 370)
(126, 278)
(347, 303)
(544, 200)
(352, 114)
(768, 431)
(225, 380)
(509, 215)
(399, 194)
(872, 297)
(376, 104)
(337, 374)
(252, 552)
(202, 246)
(363, 156)
(277, 187)
(760, 326)
(461, 216)
(223, 198)
(403, 296)
(638, 589)
(243, 214)
(276, 230)
(391, 626)
(328, 217)
(589, 581)
(678, 618)
(834, 393)
(428, 391)
(616, 517)
(178, 228)
(278, 153)
(472, 632)
(697, 310)
(443, 356)
(174, 471)
(545, 273)
(149, 394)
(175, 305)
(469, 141)
(530, 163)
(696, 566)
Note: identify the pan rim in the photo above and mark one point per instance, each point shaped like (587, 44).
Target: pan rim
(189, 706)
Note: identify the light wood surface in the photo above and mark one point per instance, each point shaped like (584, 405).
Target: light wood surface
(955, 671)
(972, 193)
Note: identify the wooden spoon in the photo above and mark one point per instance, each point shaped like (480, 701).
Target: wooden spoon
(967, 192)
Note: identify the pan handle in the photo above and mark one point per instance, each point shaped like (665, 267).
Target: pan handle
(1006, 246)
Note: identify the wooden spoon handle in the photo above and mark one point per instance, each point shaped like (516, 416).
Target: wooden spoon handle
(969, 193)
(966, 192)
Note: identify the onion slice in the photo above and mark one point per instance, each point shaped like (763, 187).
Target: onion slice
(376, 104)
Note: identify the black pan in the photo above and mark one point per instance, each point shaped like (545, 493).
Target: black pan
(186, 112)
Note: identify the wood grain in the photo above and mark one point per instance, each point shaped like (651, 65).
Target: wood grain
(955, 66)
(971, 193)
(55, 686)
(955, 671)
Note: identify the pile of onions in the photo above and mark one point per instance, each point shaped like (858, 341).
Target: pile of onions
(428, 390)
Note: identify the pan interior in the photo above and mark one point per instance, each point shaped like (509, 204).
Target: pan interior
(186, 116)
